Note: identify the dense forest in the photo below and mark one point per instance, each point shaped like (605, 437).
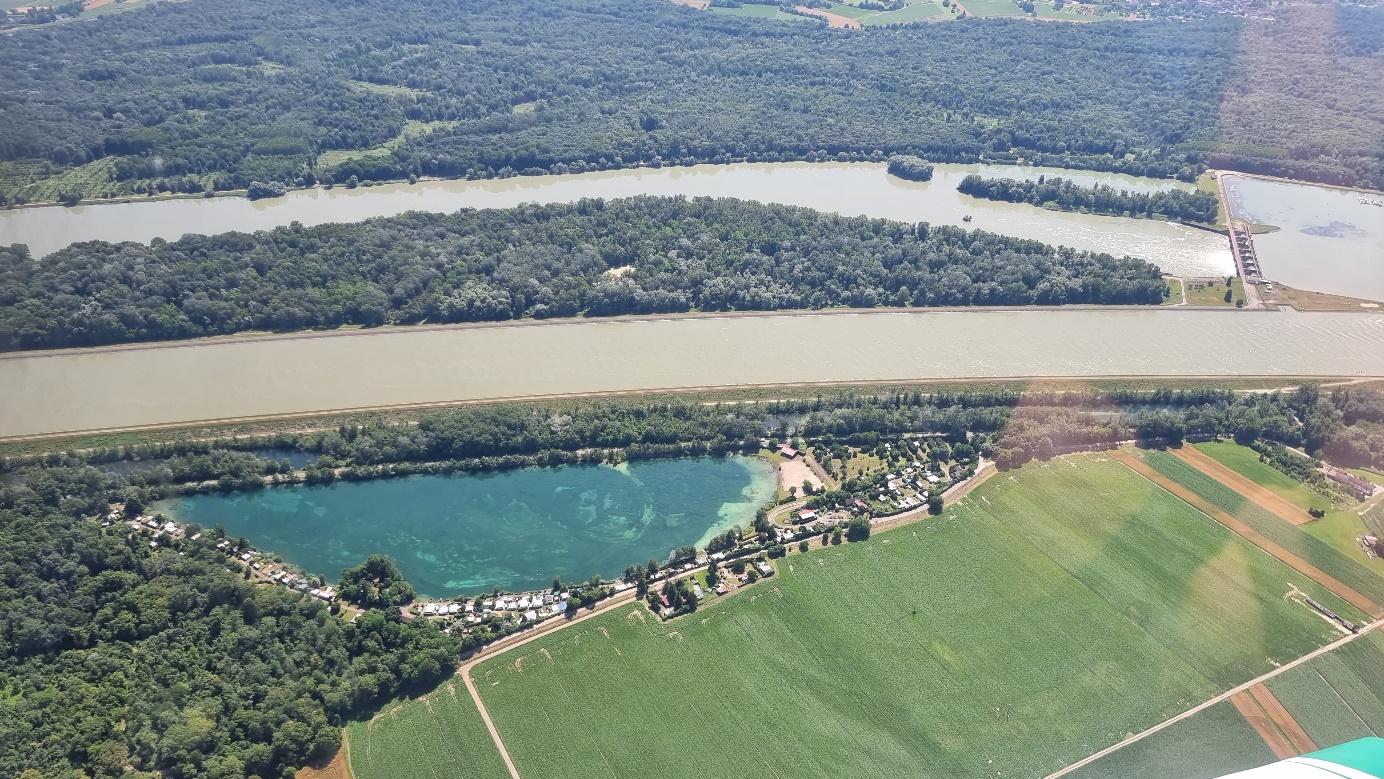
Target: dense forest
(1066, 195)
(593, 258)
(186, 96)
(118, 659)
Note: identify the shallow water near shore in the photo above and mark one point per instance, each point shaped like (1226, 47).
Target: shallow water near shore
(466, 533)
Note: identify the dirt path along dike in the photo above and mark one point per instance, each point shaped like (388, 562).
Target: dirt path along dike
(1279, 715)
(1249, 534)
(1249, 709)
(1249, 488)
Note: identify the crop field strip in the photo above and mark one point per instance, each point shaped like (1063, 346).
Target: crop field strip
(1334, 698)
(1249, 709)
(1264, 497)
(1245, 461)
(1304, 553)
(1025, 628)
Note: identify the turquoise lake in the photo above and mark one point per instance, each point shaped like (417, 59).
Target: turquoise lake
(465, 533)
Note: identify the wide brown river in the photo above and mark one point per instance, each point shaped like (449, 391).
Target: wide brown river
(855, 189)
(81, 390)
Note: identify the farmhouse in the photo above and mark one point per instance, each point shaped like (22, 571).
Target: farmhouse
(1357, 486)
(788, 451)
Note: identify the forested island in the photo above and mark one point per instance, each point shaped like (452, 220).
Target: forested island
(296, 97)
(642, 255)
(1066, 195)
(907, 166)
(122, 658)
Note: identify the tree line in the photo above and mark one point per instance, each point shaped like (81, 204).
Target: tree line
(591, 258)
(1067, 195)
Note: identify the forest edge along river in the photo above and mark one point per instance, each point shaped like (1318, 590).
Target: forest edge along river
(854, 189)
(50, 392)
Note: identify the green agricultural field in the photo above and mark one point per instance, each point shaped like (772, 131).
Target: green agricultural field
(1056, 609)
(1339, 528)
(1245, 461)
(1309, 547)
(1338, 697)
(1210, 743)
(426, 738)
(986, 8)
(912, 12)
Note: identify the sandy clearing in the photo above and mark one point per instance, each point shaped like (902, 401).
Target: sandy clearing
(1283, 719)
(1249, 534)
(1249, 488)
(334, 769)
(1244, 703)
(833, 20)
(792, 473)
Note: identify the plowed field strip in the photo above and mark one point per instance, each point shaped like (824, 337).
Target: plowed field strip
(1249, 534)
(1244, 703)
(1249, 488)
(1279, 714)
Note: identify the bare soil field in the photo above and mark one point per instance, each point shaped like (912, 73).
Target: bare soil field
(1247, 487)
(1245, 704)
(833, 20)
(332, 769)
(792, 473)
(1302, 743)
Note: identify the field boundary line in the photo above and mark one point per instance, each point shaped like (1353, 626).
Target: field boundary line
(1247, 487)
(1267, 730)
(1283, 718)
(1337, 587)
(1212, 702)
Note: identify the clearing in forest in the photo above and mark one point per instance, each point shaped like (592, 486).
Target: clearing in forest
(1054, 610)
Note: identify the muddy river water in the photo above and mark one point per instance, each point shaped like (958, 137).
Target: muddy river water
(80, 390)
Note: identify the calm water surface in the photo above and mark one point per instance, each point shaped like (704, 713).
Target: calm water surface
(1328, 241)
(848, 188)
(468, 532)
(76, 390)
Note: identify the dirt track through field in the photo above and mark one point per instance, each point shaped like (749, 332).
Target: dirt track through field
(1249, 534)
(1249, 709)
(1249, 488)
(1277, 712)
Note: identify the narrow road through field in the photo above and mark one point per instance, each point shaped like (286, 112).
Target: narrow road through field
(1231, 478)
(1208, 704)
(551, 626)
(1298, 564)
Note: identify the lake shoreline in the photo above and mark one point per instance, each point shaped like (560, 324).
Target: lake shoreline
(467, 531)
